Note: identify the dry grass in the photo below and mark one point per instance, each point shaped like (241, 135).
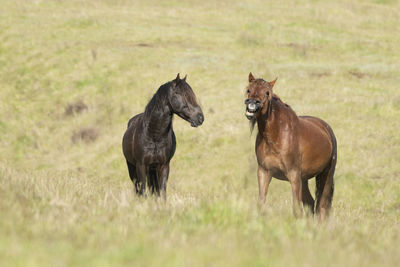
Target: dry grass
(66, 202)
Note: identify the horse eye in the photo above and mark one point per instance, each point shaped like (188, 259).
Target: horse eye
(267, 92)
(248, 91)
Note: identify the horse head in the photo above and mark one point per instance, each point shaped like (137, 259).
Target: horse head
(259, 96)
(184, 103)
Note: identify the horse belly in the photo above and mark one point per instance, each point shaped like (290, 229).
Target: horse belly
(314, 163)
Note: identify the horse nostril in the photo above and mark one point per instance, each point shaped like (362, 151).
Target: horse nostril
(200, 118)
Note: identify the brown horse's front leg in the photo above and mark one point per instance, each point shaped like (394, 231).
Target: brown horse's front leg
(296, 183)
(163, 173)
(264, 179)
(141, 175)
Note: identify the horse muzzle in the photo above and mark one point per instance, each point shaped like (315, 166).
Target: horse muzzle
(252, 107)
(199, 119)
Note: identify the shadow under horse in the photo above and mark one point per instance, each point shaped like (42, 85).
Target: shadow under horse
(149, 142)
(291, 148)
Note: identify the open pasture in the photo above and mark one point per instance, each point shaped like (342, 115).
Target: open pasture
(73, 72)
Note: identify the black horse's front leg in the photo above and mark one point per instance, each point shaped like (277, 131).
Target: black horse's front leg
(163, 173)
(141, 179)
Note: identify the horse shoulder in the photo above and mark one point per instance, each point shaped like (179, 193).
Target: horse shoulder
(287, 131)
(269, 157)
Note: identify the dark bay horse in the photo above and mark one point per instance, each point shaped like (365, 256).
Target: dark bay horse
(149, 142)
(291, 148)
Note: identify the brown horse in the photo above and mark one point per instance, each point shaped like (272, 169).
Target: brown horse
(291, 148)
(149, 142)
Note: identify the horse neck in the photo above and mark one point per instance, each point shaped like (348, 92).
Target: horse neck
(265, 118)
(271, 120)
(158, 117)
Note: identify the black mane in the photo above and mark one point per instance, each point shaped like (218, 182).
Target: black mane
(159, 99)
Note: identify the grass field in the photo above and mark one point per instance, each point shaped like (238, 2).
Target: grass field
(73, 72)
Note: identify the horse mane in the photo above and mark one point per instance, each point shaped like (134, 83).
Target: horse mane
(159, 99)
(279, 100)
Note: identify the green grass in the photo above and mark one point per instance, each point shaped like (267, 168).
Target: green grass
(67, 202)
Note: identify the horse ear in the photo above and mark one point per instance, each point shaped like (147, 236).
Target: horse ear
(273, 82)
(251, 77)
(176, 81)
(184, 79)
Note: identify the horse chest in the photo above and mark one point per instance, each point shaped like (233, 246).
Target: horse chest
(271, 161)
(157, 153)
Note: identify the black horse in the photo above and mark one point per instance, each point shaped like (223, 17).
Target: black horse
(149, 142)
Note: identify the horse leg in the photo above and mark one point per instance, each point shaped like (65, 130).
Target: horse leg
(307, 199)
(163, 173)
(294, 178)
(264, 179)
(141, 175)
(152, 181)
(133, 175)
(324, 191)
(132, 171)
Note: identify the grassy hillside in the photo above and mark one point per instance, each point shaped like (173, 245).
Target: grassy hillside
(73, 72)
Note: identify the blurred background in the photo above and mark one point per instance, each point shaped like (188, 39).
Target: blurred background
(72, 73)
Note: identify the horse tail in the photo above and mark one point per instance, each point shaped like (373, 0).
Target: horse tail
(152, 181)
(324, 181)
(333, 157)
